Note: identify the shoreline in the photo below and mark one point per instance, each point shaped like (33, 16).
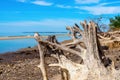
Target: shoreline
(22, 64)
(31, 51)
(24, 53)
(28, 36)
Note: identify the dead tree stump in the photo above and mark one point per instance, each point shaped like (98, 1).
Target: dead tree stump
(94, 62)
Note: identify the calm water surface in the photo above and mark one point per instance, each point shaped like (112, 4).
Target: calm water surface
(13, 45)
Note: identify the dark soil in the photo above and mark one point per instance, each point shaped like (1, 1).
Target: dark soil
(22, 64)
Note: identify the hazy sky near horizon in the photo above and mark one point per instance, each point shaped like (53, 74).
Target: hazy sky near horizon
(51, 15)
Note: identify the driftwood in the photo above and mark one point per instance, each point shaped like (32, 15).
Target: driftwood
(94, 66)
(42, 59)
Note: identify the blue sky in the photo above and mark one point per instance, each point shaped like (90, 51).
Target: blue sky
(51, 15)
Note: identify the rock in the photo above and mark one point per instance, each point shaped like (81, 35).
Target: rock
(1, 71)
(1, 59)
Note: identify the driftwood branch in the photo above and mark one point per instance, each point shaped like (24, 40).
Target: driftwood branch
(42, 59)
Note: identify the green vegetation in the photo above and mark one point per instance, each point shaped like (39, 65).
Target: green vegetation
(115, 23)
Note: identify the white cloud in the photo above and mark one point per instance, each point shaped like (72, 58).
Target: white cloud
(98, 10)
(41, 23)
(63, 6)
(42, 3)
(86, 1)
(109, 3)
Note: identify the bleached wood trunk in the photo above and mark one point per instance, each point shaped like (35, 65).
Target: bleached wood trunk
(42, 59)
(93, 66)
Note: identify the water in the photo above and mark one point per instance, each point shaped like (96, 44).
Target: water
(14, 45)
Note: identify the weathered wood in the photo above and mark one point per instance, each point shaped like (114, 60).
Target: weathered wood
(42, 59)
(95, 66)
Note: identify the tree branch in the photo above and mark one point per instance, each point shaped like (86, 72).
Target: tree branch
(42, 59)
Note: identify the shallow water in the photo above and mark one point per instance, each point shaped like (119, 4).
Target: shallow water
(13, 45)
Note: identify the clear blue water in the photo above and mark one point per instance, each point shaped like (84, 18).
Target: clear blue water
(14, 45)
